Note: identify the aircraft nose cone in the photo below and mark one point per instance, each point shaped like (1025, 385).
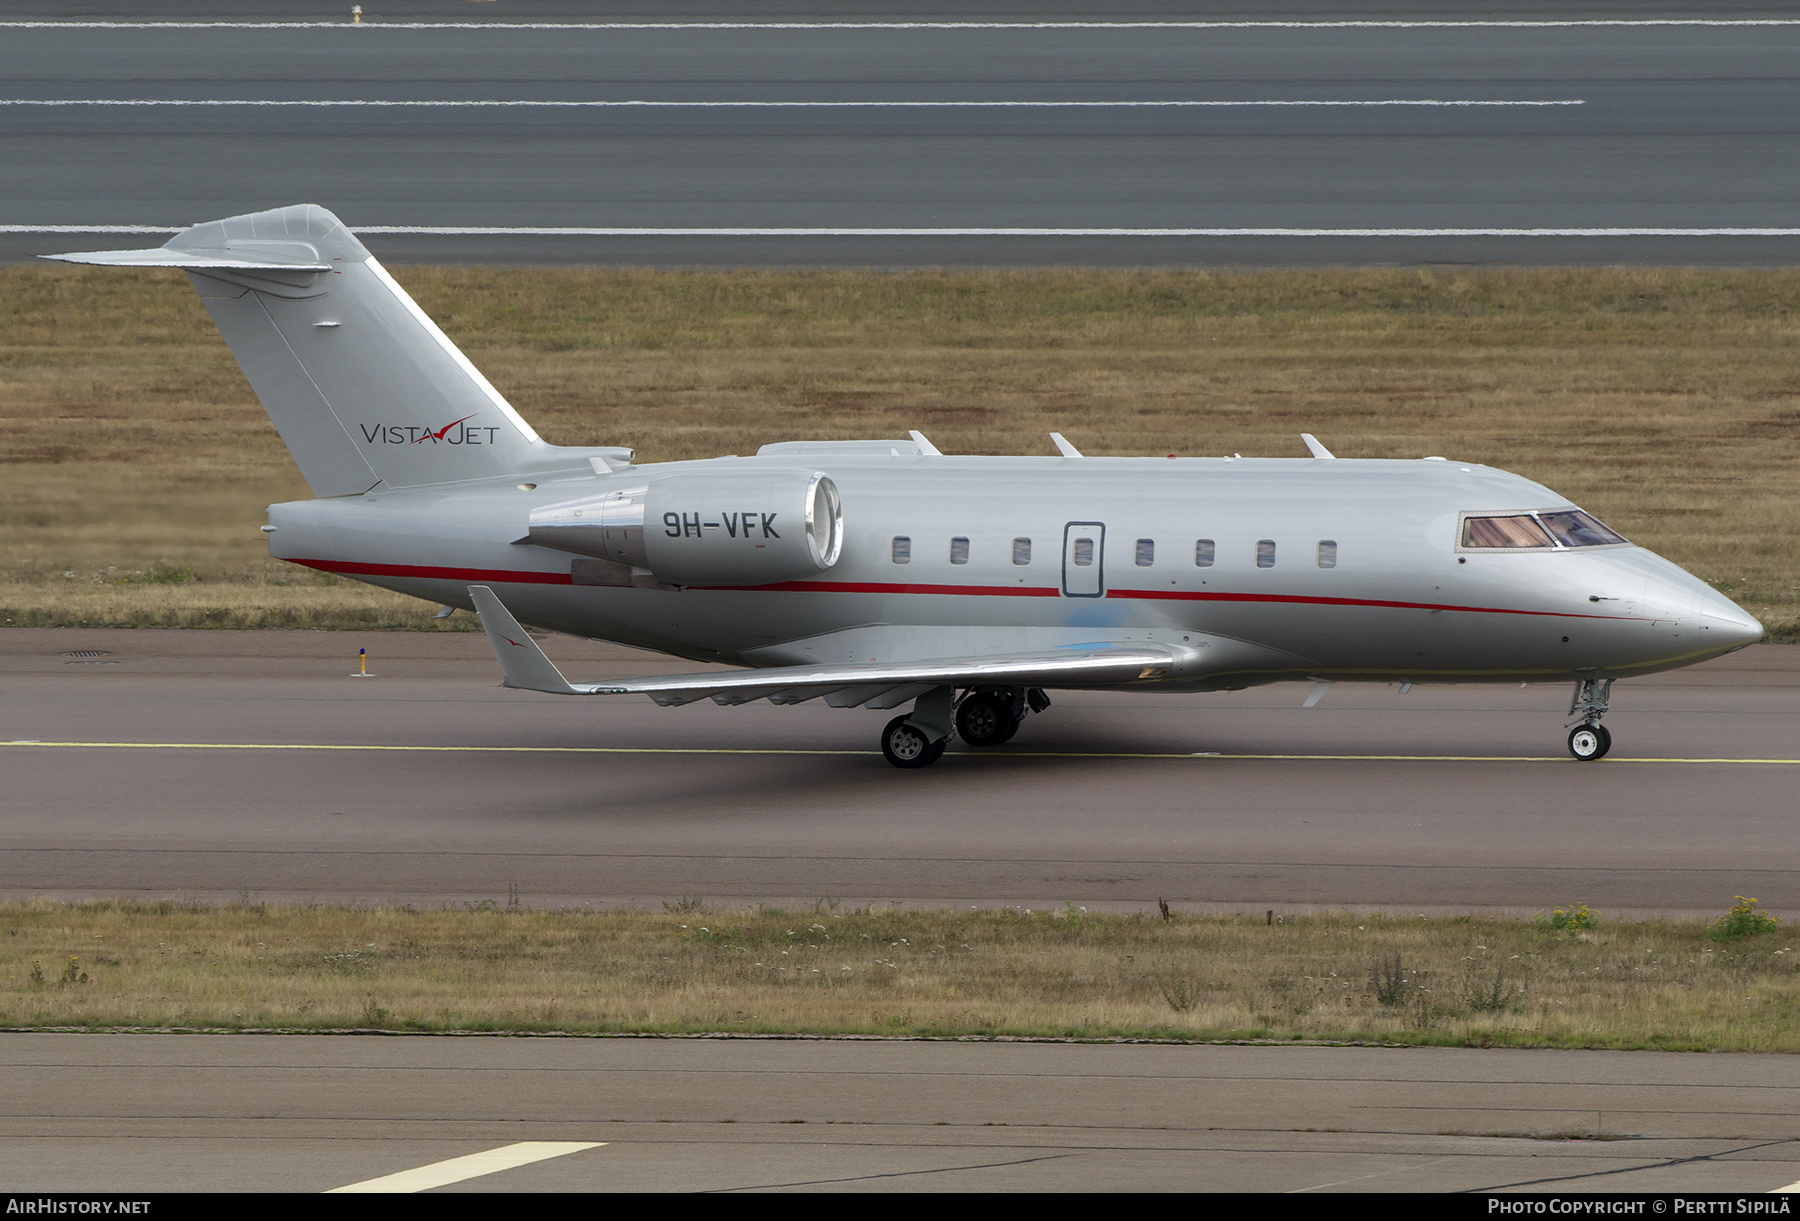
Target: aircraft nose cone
(1739, 630)
(1727, 624)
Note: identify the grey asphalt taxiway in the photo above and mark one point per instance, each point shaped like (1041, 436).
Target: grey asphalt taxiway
(216, 764)
(146, 1113)
(833, 134)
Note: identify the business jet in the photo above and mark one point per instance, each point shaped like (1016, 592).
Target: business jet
(878, 574)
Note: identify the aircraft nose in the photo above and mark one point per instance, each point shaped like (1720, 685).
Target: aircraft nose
(1727, 623)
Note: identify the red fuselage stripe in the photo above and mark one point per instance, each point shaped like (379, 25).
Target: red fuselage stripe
(515, 577)
(422, 572)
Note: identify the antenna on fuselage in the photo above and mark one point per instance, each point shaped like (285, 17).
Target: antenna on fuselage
(1312, 443)
(926, 448)
(1063, 447)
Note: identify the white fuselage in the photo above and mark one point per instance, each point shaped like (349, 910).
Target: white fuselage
(1400, 601)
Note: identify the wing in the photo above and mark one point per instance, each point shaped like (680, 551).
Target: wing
(885, 685)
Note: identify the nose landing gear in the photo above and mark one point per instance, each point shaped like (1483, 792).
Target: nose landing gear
(1589, 739)
(1589, 742)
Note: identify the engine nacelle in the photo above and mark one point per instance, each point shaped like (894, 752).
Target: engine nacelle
(717, 528)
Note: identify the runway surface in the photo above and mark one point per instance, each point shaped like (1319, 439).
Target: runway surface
(150, 763)
(834, 138)
(261, 1113)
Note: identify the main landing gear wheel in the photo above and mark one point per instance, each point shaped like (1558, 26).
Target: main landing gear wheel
(1589, 742)
(985, 720)
(907, 746)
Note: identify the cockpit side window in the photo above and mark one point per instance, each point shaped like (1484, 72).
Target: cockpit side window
(1577, 529)
(1517, 531)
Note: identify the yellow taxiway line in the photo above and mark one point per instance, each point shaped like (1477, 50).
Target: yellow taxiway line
(776, 750)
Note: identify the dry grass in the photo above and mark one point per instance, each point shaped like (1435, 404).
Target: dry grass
(1478, 981)
(1667, 401)
(259, 593)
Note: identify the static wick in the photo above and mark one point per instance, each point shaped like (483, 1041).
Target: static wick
(362, 664)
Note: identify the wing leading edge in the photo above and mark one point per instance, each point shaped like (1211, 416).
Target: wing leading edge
(885, 685)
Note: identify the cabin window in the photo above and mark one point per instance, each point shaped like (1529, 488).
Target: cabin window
(902, 549)
(1146, 552)
(1265, 553)
(1327, 553)
(1021, 551)
(1083, 553)
(959, 551)
(1519, 530)
(1577, 529)
(1203, 553)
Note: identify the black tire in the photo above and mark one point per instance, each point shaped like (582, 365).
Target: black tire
(983, 720)
(1589, 742)
(907, 746)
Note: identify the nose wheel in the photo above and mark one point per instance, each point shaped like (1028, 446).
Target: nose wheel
(1589, 742)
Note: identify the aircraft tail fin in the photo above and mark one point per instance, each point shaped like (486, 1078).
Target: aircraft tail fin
(522, 664)
(361, 384)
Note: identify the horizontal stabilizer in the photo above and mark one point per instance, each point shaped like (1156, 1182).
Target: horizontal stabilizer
(303, 258)
(1097, 665)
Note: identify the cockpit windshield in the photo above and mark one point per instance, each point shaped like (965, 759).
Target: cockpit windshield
(1577, 529)
(1550, 530)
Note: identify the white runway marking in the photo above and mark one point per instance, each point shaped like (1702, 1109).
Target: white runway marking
(899, 25)
(641, 103)
(971, 231)
(457, 1169)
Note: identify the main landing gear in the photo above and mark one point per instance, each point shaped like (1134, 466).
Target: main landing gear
(1589, 739)
(987, 716)
(906, 745)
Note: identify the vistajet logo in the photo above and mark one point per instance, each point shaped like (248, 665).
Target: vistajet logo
(456, 432)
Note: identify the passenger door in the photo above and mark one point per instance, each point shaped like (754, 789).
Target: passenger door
(1084, 551)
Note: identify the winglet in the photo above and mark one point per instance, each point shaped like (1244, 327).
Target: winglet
(522, 664)
(1312, 443)
(1063, 447)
